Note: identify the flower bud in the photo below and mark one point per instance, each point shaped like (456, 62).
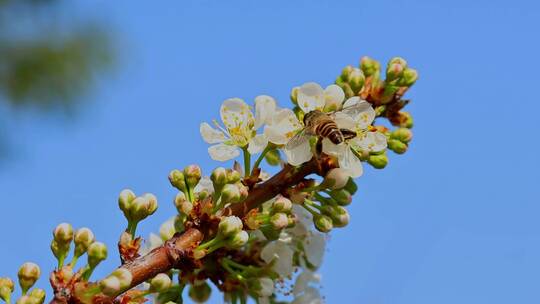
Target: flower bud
(397, 146)
(294, 95)
(263, 287)
(402, 134)
(28, 275)
(233, 176)
(279, 221)
(84, 237)
(59, 251)
(63, 234)
(394, 71)
(230, 193)
(176, 177)
(323, 223)
(345, 72)
(219, 177)
(398, 60)
(26, 300)
(342, 197)
(125, 199)
(282, 204)
(243, 190)
(6, 289)
(378, 161)
(238, 240)
(97, 252)
(356, 80)
(124, 276)
(339, 215)
(351, 186)
(336, 178)
(38, 295)
(273, 158)
(409, 77)
(369, 66)
(167, 230)
(182, 204)
(160, 283)
(200, 292)
(347, 90)
(143, 207)
(229, 226)
(192, 175)
(110, 286)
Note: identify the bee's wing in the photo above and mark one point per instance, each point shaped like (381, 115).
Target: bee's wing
(355, 109)
(298, 139)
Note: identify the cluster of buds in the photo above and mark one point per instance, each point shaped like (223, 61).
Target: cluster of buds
(228, 188)
(229, 235)
(275, 216)
(136, 208)
(28, 275)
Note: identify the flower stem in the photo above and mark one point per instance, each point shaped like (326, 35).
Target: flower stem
(261, 157)
(247, 161)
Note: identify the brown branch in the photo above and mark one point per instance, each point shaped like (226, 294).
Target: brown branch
(173, 253)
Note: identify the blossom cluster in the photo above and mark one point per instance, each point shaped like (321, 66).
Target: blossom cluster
(262, 236)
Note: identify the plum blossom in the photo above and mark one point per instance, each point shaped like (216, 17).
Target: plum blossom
(311, 96)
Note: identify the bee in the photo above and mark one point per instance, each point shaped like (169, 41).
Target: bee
(323, 125)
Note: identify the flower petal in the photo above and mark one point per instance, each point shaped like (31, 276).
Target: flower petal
(351, 163)
(205, 184)
(298, 154)
(211, 135)
(223, 152)
(314, 248)
(236, 113)
(330, 148)
(359, 110)
(283, 126)
(257, 144)
(304, 280)
(372, 142)
(334, 96)
(310, 97)
(265, 106)
(282, 253)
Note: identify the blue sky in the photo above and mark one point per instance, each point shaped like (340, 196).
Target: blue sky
(455, 219)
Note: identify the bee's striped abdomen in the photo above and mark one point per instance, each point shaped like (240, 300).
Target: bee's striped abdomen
(330, 130)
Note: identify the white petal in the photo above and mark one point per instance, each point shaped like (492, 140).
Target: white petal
(283, 255)
(334, 97)
(265, 106)
(283, 126)
(330, 148)
(351, 163)
(344, 121)
(267, 287)
(362, 112)
(223, 152)
(299, 154)
(211, 135)
(372, 142)
(310, 97)
(235, 113)
(303, 280)
(205, 184)
(310, 296)
(314, 248)
(257, 144)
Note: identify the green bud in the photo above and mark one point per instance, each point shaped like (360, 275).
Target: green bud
(143, 207)
(394, 71)
(346, 72)
(378, 161)
(6, 289)
(233, 176)
(339, 215)
(273, 158)
(167, 230)
(200, 292)
(336, 178)
(356, 80)
(125, 199)
(179, 221)
(409, 77)
(26, 300)
(84, 237)
(230, 193)
(369, 66)
(397, 146)
(182, 204)
(347, 90)
(97, 252)
(398, 60)
(28, 275)
(59, 251)
(263, 287)
(219, 177)
(110, 286)
(229, 226)
(323, 223)
(243, 191)
(176, 177)
(294, 95)
(63, 234)
(238, 240)
(351, 186)
(192, 174)
(342, 196)
(282, 204)
(38, 295)
(402, 134)
(160, 283)
(124, 276)
(279, 221)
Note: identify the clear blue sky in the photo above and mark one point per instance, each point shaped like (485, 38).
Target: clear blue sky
(454, 220)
